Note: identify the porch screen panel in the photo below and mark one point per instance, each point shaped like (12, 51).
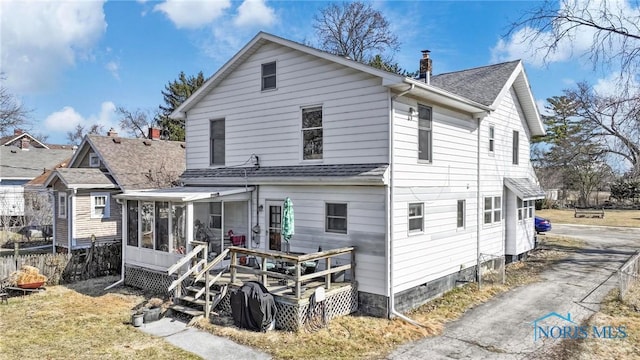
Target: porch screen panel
(132, 223)
(178, 226)
(146, 218)
(162, 226)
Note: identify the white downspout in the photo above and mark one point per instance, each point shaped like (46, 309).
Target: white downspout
(389, 206)
(125, 235)
(479, 211)
(52, 197)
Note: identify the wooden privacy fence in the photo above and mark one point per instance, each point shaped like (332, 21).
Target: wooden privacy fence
(628, 274)
(84, 264)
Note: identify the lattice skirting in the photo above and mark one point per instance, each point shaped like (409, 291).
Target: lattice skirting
(147, 280)
(295, 316)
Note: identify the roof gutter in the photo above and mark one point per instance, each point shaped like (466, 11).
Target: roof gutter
(389, 189)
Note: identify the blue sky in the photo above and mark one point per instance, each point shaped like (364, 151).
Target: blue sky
(73, 62)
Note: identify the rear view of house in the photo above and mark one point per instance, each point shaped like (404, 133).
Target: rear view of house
(424, 177)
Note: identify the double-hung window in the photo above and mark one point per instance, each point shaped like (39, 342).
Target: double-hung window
(492, 138)
(312, 133)
(425, 134)
(492, 209)
(216, 142)
(269, 76)
(461, 213)
(100, 205)
(62, 205)
(516, 146)
(416, 218)
(336, 218)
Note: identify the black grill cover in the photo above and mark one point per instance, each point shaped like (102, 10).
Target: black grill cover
(253, 307)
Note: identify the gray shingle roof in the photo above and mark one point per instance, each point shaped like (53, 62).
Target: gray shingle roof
(131, 161)
(27, 164)
(482, 84)
(85, 176)
(358, 171)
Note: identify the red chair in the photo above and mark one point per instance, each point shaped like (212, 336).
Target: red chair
(238, 240)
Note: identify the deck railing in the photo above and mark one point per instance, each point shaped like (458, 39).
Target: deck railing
(293, 264)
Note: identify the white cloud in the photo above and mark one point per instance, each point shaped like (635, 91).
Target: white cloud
(575, 44)
(35, 52)
(612, 84)
(113, 68)
(192, 14)
(254, 13)
(68, 118)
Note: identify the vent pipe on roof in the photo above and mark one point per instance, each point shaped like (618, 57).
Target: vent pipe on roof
(426, 67)
(112, 133)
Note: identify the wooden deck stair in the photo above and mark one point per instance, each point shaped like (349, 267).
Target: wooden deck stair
(201, 297)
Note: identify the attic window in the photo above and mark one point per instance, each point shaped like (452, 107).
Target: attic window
(269, 76)
(94, 160)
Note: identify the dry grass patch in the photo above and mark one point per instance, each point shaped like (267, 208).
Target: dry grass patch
(80, 323)
(627, 218)
(364, 337)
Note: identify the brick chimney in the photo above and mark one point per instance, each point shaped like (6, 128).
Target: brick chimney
(154, 133)
(112, 133)
(24, 143)
(426, 67)
(17, 132)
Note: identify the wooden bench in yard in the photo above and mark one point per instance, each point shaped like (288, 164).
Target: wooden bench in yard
(589, 213)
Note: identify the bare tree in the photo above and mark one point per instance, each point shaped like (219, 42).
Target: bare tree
(134, 122)
(614, 121)
(614, 28)
(354, 29)
(12, 113)
(76, 136)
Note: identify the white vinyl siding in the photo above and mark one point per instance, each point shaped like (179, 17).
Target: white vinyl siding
(355, 112)
(366, 226)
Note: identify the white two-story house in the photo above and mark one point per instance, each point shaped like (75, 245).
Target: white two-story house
(425, 177)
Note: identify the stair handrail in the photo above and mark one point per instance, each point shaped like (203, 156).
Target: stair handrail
(211, 264)
(193, 253)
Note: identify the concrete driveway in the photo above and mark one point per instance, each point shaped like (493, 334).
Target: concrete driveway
(503, 327)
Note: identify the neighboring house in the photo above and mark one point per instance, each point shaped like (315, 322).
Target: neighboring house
(22, 158)
(85, 210)
(425, 177)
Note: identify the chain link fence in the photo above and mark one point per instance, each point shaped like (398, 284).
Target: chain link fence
(628, 274)
(492, 270)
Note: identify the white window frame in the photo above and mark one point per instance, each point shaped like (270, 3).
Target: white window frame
(429, 130)
(327, 216)
(410, 217)
(303, 129)
(492, 139)
(94, 160)
(107, 206)
(263, 76)
(493, 209)
(62, 205)
(464, 214)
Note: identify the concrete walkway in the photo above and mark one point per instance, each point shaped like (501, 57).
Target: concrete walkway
(201, 343)
(503, 327)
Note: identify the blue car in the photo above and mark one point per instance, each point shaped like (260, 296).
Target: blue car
(542, 225)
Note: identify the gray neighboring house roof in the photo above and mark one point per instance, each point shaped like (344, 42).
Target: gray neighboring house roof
(364, 173)
(133, 163)
(85, 178)
(481, 84)
(28, 164)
